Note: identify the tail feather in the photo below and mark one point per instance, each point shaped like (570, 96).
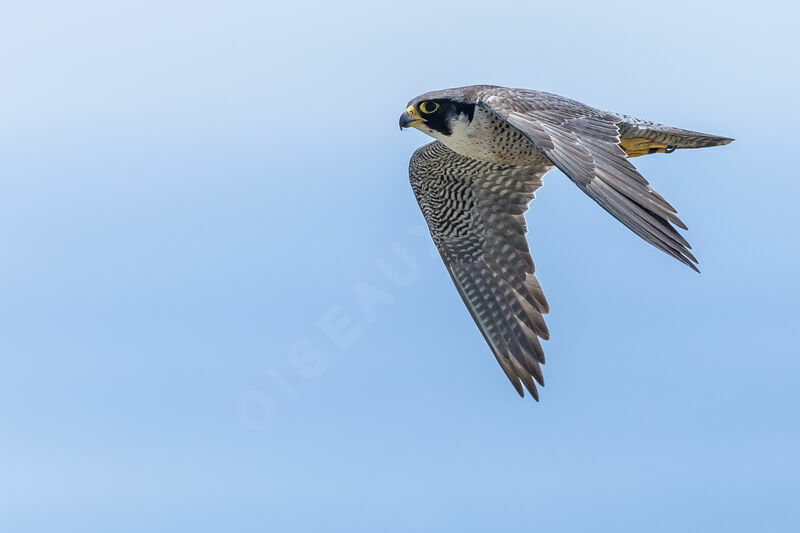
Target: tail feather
(641, 137)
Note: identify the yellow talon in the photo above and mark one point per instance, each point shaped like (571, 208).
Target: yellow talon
(641, 146)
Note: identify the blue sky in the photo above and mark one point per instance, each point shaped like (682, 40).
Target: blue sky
(221, 310)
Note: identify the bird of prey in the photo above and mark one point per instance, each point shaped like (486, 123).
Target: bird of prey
(474, 183)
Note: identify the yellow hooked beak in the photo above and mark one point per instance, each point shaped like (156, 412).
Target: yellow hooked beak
(410, 118)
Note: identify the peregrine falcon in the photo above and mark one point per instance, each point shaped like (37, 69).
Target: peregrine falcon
(474, 183)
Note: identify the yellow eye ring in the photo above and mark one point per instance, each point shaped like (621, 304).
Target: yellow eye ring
(428, 107)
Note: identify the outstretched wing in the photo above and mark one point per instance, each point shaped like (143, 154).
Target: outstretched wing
(584, 143)
(474, 211)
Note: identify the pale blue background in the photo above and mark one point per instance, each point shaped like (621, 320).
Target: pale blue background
(188, 188)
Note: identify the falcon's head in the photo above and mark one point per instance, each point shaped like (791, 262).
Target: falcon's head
(440, 113)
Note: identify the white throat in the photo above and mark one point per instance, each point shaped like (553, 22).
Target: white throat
(488, 138)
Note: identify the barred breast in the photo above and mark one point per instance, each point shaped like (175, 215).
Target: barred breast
(489, 138)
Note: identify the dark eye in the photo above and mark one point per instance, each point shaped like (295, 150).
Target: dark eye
(428, 107)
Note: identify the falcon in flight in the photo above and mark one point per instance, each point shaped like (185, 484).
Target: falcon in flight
(474, 183)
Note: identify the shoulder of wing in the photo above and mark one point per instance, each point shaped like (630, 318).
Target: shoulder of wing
(544, 106)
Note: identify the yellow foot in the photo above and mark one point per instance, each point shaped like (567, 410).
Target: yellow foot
(641, 146)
